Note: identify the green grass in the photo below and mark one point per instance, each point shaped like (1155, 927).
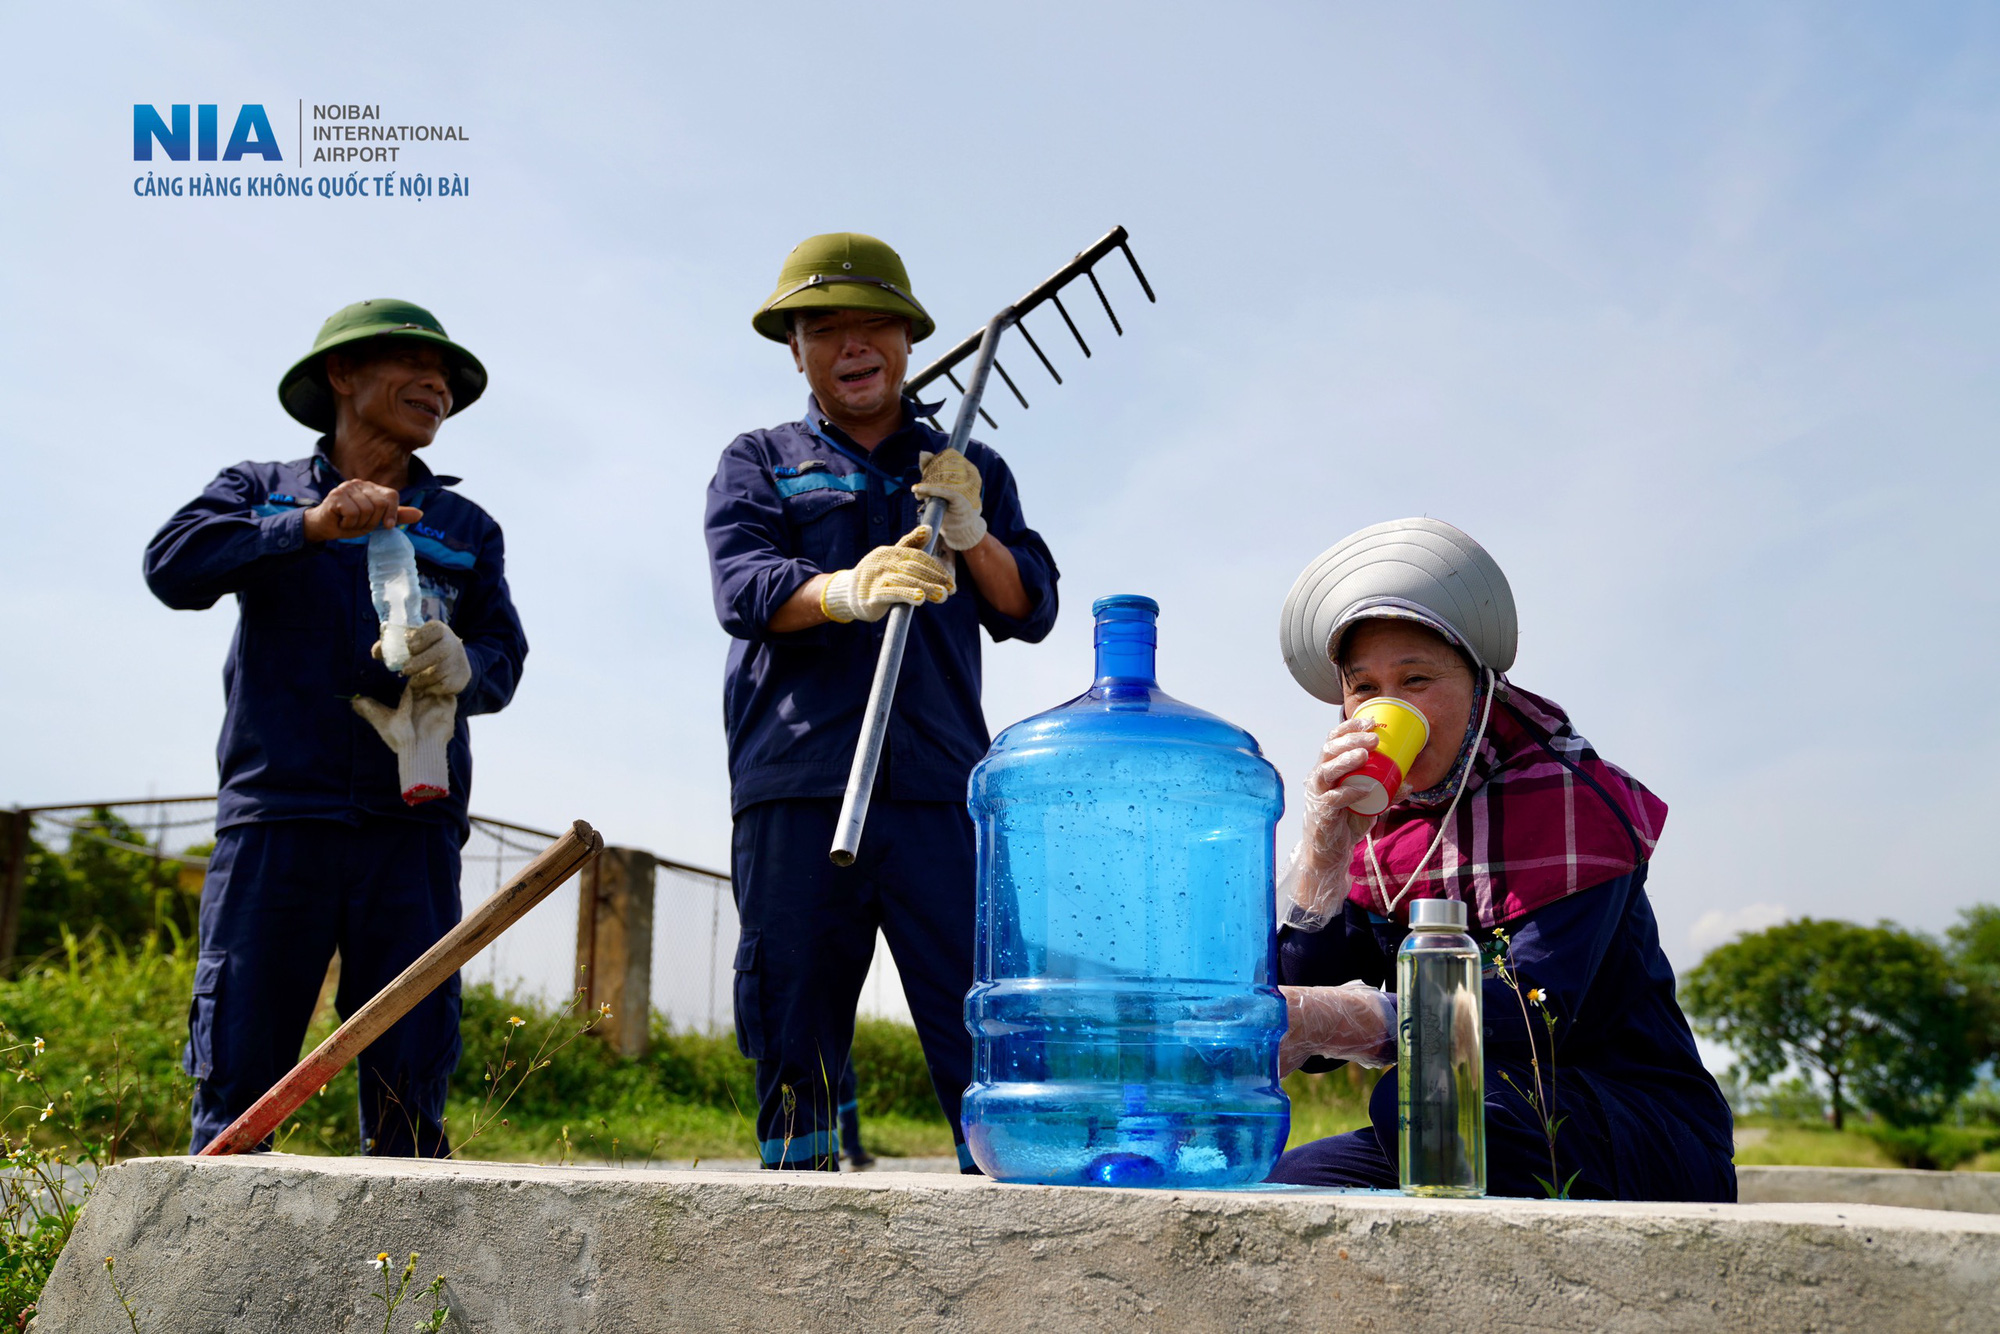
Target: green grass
(1777, 1143)
(114, 1019)
(691, 1096)
(114, 1022)
(1811, 1146)
(107, 1011)
(1329, 1104)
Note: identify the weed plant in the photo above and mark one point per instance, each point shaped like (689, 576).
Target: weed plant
(395, 1292)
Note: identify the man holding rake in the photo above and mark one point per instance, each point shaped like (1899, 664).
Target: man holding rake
(813, 537)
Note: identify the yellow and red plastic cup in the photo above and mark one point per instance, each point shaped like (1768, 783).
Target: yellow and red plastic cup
(1400, 733)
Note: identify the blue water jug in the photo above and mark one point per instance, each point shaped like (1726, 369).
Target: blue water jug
(1124, 1012)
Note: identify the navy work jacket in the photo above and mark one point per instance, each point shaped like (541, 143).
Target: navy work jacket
(803, 499)
(1661, 1126)
(292, 747)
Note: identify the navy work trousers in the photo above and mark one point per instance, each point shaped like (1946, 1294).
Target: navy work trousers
(808, 937)
(279, 899)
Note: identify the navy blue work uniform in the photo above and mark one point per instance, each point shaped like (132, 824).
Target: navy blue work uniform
(1644, 1119)
(787, 504)
(849, 1112)
(315, 850)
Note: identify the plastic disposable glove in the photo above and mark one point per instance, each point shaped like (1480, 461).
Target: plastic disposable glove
(1352, 1022)
(438, 664)
(1316, 884)
(887, 576)
(950, 477)
(418, 729)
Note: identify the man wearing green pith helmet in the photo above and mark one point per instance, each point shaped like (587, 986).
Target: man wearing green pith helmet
(343, 784)
(812, 538)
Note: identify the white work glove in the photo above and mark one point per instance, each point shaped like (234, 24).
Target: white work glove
(887, 576)
(950, 477)
(1316, 884)
(1352, 1022)
(438, 664)
(418, 729)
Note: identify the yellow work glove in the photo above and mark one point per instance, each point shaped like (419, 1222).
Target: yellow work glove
(887, 576)
(950, 477)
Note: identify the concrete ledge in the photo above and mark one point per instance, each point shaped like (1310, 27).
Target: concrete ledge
(278, 1243)
(1965, 1192)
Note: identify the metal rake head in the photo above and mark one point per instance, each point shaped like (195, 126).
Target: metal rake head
(1048, 292)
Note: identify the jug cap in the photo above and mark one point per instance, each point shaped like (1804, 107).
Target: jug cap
(1437, 912)
(1122, 607)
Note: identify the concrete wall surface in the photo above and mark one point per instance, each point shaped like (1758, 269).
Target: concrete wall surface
(1965, 1192)
(279, 1243)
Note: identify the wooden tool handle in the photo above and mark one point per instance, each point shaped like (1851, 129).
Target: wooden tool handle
(557, 863)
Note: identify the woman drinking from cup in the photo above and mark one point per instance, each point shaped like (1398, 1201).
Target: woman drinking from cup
(1449, 781)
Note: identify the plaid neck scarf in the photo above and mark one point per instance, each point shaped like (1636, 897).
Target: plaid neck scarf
(1543, 816)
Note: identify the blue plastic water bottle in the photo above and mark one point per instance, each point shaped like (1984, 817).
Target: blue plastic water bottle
(1124, 1015)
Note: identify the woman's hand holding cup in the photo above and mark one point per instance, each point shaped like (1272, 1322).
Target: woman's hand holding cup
(1331, 825)
(1315, 886)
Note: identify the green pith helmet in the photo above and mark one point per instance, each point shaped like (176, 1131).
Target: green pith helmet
(841, 271)
(304, 390)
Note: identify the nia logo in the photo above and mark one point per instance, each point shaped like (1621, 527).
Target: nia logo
(182, 134)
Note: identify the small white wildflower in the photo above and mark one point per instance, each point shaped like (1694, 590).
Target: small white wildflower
(39, 1045)
(516, 1021)
(48, 1111)
(380, 1262)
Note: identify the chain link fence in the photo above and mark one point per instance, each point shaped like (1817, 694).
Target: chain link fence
(694, 931)
(694, 913)
(168, 839)
(173, 829)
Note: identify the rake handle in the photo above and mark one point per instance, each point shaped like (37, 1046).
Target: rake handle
(896, 636)
(530, 885)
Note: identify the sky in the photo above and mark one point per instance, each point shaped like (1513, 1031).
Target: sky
(1684, 312)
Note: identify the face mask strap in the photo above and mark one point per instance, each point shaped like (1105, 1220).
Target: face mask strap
(1375, 867)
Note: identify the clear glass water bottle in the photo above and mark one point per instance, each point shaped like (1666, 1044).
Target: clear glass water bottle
(1124, 1015)
(1440, 1055)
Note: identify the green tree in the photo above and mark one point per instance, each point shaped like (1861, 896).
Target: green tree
(1974, 945)
(109, 882)
(1882, 1014)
